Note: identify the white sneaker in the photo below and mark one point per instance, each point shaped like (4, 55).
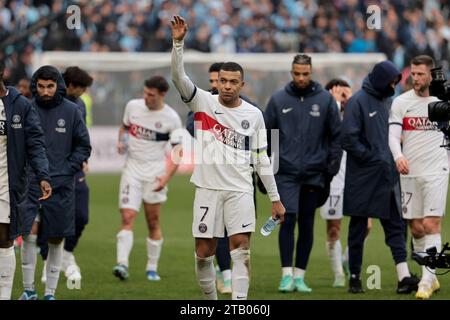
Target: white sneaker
(44, 272)
(73, 272)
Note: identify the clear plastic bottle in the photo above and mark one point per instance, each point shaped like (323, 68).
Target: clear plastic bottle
(269, 226)
(124, 140)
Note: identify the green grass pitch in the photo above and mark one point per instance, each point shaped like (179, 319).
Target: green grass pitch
(96, 254)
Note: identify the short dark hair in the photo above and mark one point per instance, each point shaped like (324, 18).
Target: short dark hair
(423, 59)
(336, 82)
(232, 66)
(302, 59)
(47, 73)
(215, 67)
(157, 82)
(77, 77)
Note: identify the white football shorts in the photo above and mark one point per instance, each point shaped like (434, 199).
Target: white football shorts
(133, 191)
(215, 210)
(424, 196)
(333, 207)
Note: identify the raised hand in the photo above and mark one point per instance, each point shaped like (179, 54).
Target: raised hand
(179, 28)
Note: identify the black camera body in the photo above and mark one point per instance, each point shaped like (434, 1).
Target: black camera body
(433, 259)
(439, 111)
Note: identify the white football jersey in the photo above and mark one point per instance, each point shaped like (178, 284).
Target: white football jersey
(225, 138)
(338, 182)
(4, 183)
(421, 137)
(149, 133)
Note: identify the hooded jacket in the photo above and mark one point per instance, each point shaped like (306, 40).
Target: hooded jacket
(66, 135)
(371, 175)
(309, 125)
(25, 145)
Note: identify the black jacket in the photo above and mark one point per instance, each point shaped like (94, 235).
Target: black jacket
(370, 175)
(25, 146)
(309, 125)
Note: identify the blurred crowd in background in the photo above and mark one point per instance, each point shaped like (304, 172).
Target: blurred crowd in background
(408, 28)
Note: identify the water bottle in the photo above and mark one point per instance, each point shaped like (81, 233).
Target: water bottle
(124, 140)
(269, 226)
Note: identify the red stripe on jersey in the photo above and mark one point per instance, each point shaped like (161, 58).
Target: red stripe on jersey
(230, 137)
(418, 124)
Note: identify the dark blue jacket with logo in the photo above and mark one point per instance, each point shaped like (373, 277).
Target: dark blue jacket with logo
(66, 135)
(370, 175)
(68, 146)
(309, 125)
(25, 146)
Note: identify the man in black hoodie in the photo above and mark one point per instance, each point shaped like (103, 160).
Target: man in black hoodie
(371, 179)
(68, 146)
(309, 123)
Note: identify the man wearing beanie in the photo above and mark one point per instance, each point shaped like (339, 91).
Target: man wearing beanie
(372, 182)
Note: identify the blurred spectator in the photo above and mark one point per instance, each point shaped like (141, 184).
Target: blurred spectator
(409, 28)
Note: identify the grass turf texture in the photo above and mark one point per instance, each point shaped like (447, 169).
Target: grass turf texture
(96, 255)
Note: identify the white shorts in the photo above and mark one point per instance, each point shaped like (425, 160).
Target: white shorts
(424, 196)
(133, 191)
(333, 207)
(215, 210)
(5, 212)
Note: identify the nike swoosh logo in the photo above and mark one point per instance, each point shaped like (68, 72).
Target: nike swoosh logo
(245, 225)
(371, 114)
(215, 111)
(434, 209)
(238, 297)
(287, 110)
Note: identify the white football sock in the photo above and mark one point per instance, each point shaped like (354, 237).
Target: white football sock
(286, 271)
(28, 253)
(345, 255)
(240, 273)
(334, 250)
(418, 244)
(7, 269)
(124, 245)
(54, 262)
(153, 253)
(206, 276)
(299, 273)
(226, 274)
(402, 270)
(431, 240)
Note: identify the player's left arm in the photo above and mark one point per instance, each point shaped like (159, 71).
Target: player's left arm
(176, 154)
(81, 144)
(395, 133)
(264, 168)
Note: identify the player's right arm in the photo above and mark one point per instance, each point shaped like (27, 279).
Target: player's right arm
(395, 132)
(184, 85)
(123, 131)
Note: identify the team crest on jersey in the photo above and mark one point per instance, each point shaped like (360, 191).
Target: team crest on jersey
(315, 110)
(158, 125)
(202, 227)
(245, 124)
(61, 123)
(16, 122)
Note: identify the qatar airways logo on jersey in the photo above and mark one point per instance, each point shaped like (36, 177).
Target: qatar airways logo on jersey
(142, 133)
(418, 123)
(229, 136)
